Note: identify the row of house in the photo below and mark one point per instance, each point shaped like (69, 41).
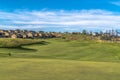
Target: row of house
(27, 34)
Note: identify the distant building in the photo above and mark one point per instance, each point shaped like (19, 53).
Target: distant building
(13, 36)
(26, 34)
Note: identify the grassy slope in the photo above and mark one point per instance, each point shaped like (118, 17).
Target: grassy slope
(61, 60)
(73, 50)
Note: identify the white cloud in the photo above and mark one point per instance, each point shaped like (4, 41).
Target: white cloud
(117, 3)
(63, 20)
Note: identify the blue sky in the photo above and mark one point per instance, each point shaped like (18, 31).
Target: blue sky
(60, 15)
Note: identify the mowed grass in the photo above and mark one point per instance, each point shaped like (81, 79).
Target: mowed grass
(51, 69)
(56, 59)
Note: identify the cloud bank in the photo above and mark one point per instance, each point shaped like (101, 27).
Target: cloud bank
(61, 20)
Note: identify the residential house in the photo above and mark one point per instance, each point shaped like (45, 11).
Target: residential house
(30, 35)
(13, 36)
(6, 34)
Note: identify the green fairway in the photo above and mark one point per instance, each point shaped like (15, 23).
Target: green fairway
(56, 59)
(46, 69)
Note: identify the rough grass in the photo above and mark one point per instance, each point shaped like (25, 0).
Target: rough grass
(56, 59)
(10, 43)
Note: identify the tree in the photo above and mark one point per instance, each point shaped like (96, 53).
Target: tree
(101, 33)
(84, 32)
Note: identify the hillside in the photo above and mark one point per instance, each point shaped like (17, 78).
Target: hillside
(70, 50)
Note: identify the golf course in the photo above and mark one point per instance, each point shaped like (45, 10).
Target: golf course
(59, 59)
